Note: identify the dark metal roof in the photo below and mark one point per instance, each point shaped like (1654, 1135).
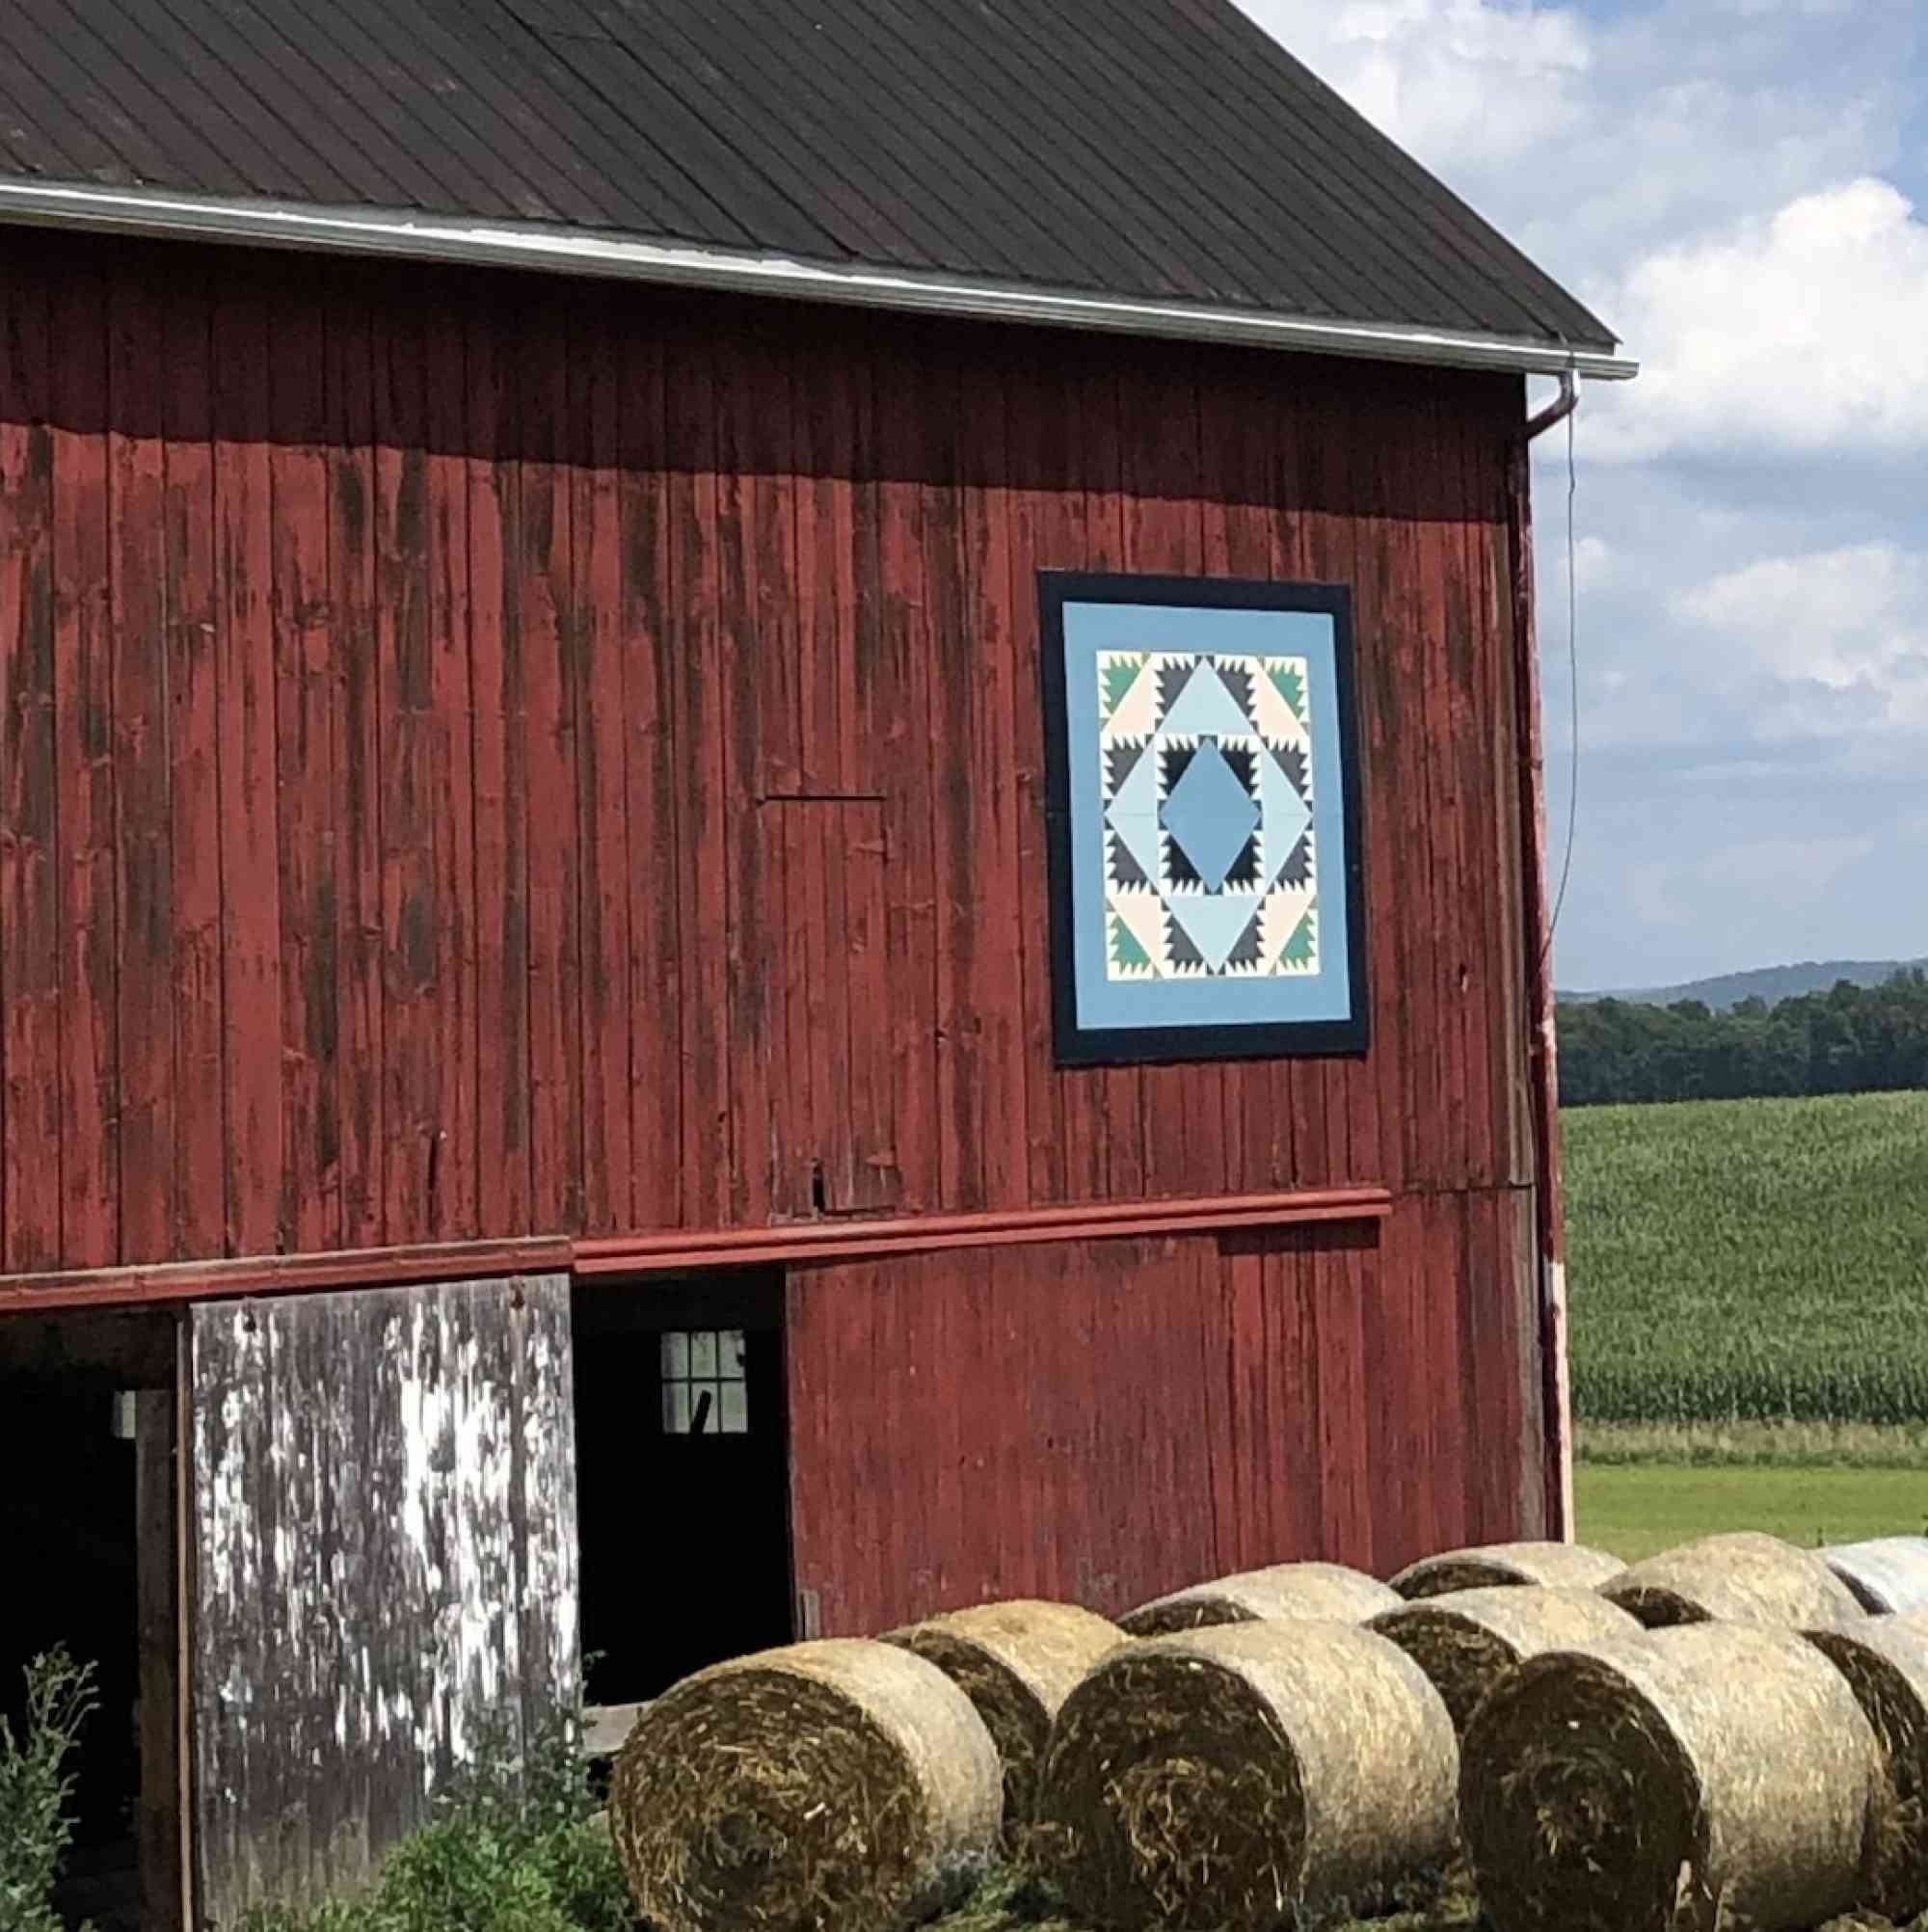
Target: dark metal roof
(1151, 150)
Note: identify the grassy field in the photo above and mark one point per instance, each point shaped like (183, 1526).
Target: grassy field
(1750, 1260)
(1634, 1510)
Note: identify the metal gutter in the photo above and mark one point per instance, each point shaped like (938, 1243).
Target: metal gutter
(415, 237)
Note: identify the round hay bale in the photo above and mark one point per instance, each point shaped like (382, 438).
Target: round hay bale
(1226, 1777)
(1889, 1576)
(1885, 1661)
(1328, 1592)
(1466, 1642)
(1017, 1662)
(1744, 1577)
(1673, 1782)
(836, 1785)
(1556, 1566)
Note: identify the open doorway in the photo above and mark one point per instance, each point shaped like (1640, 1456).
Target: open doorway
(683, 1478)
(88, 1519)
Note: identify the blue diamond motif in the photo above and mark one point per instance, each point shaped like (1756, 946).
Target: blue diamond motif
(1211, 815)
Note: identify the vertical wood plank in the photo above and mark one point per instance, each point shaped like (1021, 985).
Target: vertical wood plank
(199, 1165)
(413, 785)
(756, 667)
(144, 884)
(703, 815)
(306, 781)
(30, 878)
(501, 776)
(610, 1011)
(904, 705)
(83, 682)
(984, 868)
(356, 737)
(455, 1186)
(554, 834)
(652, 777)
(1046, 512)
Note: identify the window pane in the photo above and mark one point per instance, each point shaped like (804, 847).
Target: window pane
(702, 1409)
(675, 1357)
(703, 1353)
(735, 1410)
(675, 1409)
(732, 1353)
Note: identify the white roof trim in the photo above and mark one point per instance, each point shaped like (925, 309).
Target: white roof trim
(583, 252)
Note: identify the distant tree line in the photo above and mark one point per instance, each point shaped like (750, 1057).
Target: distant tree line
(1855, 1040)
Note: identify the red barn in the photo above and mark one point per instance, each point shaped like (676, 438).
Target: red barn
(769, 855)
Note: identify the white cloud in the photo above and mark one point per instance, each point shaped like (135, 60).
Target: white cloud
(1805, 332)
(1843, 624)
(1462, 81)
(1725, 182)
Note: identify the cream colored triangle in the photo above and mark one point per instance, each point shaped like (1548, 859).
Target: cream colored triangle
(1284, 907)
(1143, 913)
(1136, 715)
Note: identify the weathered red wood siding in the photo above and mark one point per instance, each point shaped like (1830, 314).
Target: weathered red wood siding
(484, 756)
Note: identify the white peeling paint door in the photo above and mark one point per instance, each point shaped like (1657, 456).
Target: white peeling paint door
(384, 1566)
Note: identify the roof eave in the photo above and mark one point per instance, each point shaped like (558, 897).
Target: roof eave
(416, 237)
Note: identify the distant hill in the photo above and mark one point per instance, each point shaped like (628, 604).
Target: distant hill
(1767, 982)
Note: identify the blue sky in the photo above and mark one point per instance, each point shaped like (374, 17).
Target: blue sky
(1740, 188)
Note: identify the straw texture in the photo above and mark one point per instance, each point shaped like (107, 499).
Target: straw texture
(838, 1785)
(1885, 1661)
(1328, 1592)
(1222, 1779)
(1466, 1642)
(1017, 1662)
(1557, 1566)
(1680, 1780)
(1741, 1578)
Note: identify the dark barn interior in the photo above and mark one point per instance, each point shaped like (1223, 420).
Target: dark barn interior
(682, 1479)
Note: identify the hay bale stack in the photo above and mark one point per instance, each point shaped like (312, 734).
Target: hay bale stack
(1889, 1576)
(1554, 1566)
(836, 1785)
(1325, 1591)
(1885, 1661)
(1741, 1578)
(1673, 1782)
(1466, 1642)
(1227, 1777)
(1017, 1662)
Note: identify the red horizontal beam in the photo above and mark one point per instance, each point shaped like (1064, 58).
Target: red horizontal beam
(280, 1274)
(825, 1241)
(681, 1251)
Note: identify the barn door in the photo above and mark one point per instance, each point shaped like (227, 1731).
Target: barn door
(384, 1513)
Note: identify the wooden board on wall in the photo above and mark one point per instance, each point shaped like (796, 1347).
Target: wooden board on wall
(385, 1565)
(1110, 1420)
(496, 644)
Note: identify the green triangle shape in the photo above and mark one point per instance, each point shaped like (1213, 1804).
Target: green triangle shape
(1290, 685)
(1301, 948)
(1125, 947)
(1117, 680)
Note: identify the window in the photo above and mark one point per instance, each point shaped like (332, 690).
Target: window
(704, 1392)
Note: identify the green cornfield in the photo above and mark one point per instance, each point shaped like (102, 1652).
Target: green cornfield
(1749, 1261)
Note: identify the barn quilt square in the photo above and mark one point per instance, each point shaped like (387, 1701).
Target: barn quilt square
(1206, 897)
